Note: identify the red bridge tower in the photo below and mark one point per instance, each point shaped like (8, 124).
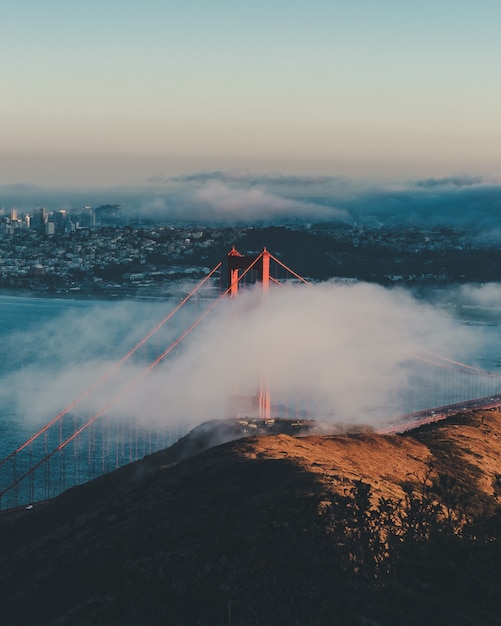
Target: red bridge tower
(238, 266)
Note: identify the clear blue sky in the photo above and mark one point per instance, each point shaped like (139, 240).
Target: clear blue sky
(111, 92)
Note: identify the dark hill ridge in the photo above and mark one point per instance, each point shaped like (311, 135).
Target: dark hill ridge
(353, 528)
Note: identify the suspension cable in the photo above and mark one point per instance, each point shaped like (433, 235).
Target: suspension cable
(129, 385)
(112, 369)
(469, 369)
(288, 269)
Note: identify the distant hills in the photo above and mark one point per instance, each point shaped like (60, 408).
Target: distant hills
(284, 526)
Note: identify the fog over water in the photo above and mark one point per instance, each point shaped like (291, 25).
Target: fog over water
(337, 350)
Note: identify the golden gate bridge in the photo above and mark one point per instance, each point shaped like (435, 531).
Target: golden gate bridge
(70, 449)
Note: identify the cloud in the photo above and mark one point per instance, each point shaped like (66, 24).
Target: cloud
(340, 351)
(59, 359)
(476, 206)
(450, 181)
(330, 351)
(216, 201)
(273, 178)
(249, 204)
(462, 201)
(487, 295)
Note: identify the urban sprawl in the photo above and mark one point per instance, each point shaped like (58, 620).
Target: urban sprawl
(97, 251)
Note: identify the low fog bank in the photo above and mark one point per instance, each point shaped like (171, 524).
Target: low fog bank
(239, 197)
(334, 350)
(481, 301)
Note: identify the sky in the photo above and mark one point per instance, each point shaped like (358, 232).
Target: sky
(104, 94)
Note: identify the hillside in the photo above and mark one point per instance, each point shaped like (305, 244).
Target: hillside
(353, 528)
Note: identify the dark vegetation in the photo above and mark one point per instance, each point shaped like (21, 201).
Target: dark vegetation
(318, 255)
(242, 534)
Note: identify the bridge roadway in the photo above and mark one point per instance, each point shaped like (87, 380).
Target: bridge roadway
(409, 421)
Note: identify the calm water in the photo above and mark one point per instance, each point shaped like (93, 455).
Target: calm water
(41, 339)
(20, 319)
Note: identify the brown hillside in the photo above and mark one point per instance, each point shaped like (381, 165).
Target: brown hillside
(239, 534)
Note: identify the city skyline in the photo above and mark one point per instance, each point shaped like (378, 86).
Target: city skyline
(103, 94)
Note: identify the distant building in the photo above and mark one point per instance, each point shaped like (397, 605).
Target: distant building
(60, 220)
(87, 218)
(40, 218)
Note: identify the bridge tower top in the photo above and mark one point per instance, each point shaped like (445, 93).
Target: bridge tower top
(238, 264)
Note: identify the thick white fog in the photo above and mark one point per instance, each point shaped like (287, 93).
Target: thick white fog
(338, 351)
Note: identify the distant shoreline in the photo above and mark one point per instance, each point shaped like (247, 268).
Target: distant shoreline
(59, 295)
(124, 294)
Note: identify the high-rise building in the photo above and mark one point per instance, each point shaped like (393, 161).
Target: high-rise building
(60, 220)
(87, 217)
